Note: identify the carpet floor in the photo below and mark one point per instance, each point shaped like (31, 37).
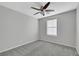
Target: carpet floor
(41, 48)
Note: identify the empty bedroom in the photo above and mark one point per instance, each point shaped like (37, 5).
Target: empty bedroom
(39, 29)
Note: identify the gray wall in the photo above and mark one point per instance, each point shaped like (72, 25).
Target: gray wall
(66, 29)
(77, 30)
(16, 29)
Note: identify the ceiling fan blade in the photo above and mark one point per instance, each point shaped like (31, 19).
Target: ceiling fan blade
(46, 5)
(36, 13)
(35, 8)
(42, 13)
(49, 10)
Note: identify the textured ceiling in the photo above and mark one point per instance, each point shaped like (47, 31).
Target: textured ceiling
(24, 7)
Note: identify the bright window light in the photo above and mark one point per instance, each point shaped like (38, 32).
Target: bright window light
(52, 27)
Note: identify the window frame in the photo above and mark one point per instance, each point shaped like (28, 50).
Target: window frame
(51, 27)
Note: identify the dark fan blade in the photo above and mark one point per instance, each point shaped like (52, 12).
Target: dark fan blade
(35, 8)
(36, 13)
(46, 5)
(49, 10)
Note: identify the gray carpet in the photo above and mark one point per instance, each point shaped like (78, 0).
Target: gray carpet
(41, 48)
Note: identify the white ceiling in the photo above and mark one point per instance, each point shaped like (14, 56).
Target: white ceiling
(24, 7)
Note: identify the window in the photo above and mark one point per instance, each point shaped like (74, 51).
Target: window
(52, 27)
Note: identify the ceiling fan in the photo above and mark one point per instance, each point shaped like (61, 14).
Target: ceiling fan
(43, 9)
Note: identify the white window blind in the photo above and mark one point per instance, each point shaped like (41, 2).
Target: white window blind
(52, 27)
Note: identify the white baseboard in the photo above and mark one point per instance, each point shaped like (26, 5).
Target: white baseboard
(17, 46)
(59, 43)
